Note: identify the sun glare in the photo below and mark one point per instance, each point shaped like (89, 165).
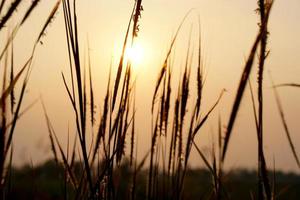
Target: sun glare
(135, 54)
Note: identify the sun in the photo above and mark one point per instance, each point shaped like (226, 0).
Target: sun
(135, 54)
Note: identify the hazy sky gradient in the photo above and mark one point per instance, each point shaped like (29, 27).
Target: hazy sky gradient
(228, 29)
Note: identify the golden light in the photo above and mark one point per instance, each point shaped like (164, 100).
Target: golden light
(135, 54)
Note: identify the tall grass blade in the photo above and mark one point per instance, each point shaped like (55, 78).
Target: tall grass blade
(92, 104)
(244, 80)
(17, 111)
(120, 67)
(200, 124)
(12, 93)
(239, 94)
(12, 84)
(262, 57)
(284, 123)
(12, 8)
(288, 85)
(33, 5)
(254, 107)
(65, 161)
(2, 5)
(49, 20)
(164, 66)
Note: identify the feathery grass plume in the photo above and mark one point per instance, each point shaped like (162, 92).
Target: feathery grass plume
(176, 130)
(167, 101)
(242, 84)
(16, 28)
(199, 72)
(48, 21)
(162, 108)
(160, 130)
(122, 126)
(12, 84)
(284, 123)
(17, 111)
(196, 108)
(16, 114)
(120, 122)
(136, 17)
(173, 136)
(264, 183)
(185, 82)
(184, 97)
(12, 8)
(92, 105)
(103, 121)
(7, 91)
(164, 66)
(131, 121)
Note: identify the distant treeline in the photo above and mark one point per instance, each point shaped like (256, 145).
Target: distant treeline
(49, 181)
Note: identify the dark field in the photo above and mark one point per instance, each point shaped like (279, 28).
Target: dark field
(46, 182)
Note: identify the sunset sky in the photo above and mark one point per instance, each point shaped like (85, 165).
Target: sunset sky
(228, 30)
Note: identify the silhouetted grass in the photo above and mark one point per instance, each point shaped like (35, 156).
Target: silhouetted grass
(8, 94)
(99, 169)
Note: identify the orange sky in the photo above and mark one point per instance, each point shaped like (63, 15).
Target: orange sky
(228, 31)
